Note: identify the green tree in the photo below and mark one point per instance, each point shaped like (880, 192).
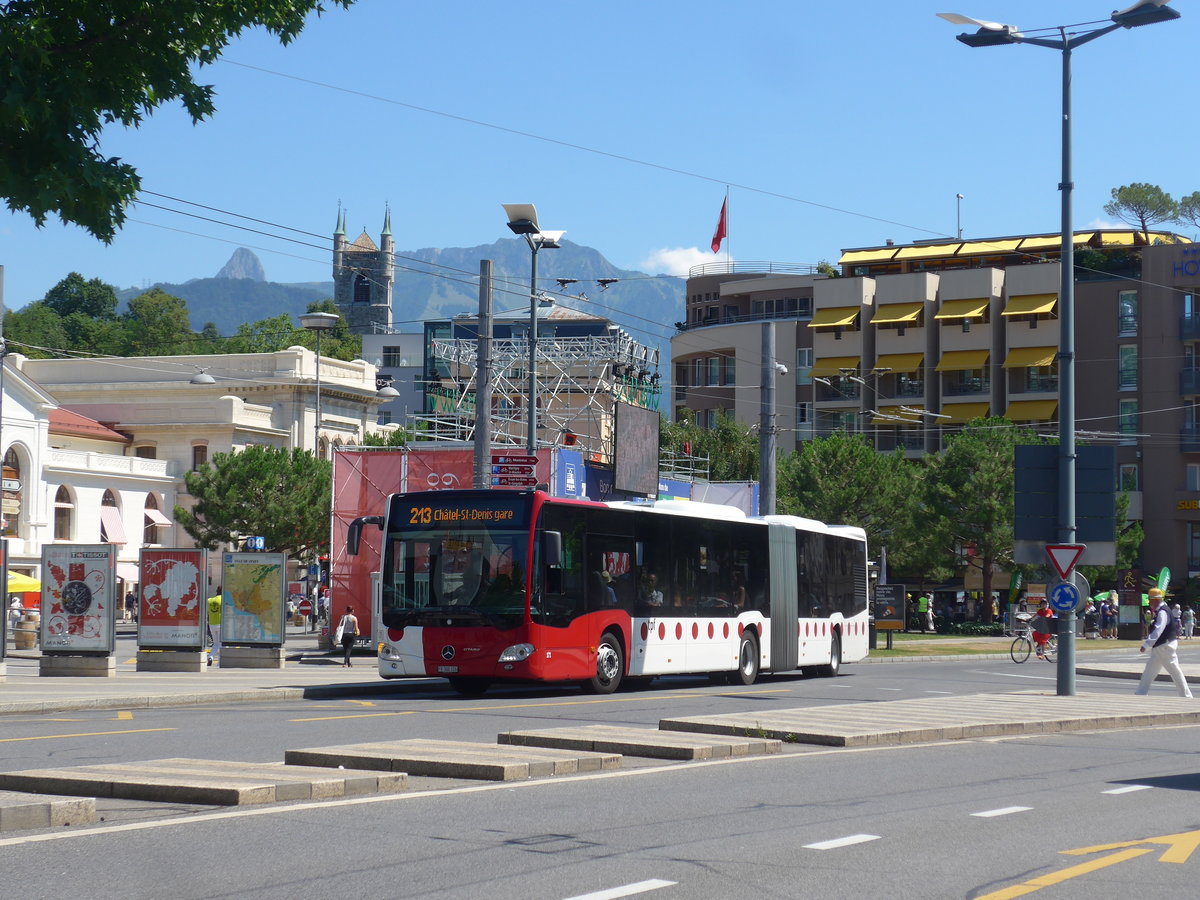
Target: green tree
(1142, 205)
(36, 331)
(970, 489)
(1189, 210)
(338, 342)
(71, 67)
(157, 324)
(282, 495)
(731, 448)
(841, 479)
(93, 299)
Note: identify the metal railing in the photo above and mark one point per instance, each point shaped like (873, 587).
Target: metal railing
(749, 267)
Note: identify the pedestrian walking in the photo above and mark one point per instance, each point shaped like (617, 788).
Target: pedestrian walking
(1162, 642)
(130, 606)
(347, 633)
(1188, 620)
(925, 608)
(214, 625)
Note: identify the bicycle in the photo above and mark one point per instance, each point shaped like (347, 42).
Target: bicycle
(1022, 646)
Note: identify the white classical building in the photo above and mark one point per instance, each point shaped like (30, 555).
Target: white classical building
(95, 450)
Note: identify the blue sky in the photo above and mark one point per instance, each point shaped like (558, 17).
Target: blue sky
(836, 124)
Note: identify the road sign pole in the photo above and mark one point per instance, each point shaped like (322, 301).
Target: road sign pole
(1064, 557)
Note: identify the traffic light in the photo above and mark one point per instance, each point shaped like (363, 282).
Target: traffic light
(324, 571)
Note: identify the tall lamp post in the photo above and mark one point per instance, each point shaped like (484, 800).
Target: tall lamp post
(318, 322)
(994, 34)
(522, 220)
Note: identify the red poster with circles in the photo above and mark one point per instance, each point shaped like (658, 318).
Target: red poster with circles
(78, 597)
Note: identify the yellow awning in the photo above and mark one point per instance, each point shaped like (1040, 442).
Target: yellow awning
(991, 246)
(882, 254)
(926, 251)
(894, 415)
(900, 362)
(1030, 356)
(962, 309)
(964, 412)
(833, 316)
(962, 360)
(897, 312)
(1030, 304)
(1124, 238)
(1031, 410)
(833, 365)
(1042, 243)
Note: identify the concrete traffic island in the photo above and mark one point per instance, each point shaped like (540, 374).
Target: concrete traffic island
(948, 718)
(59, 665)
(456, 759)
(212, 782)
(20, 811)
(250, 657)
(172, 661)
(642, 742)
(3, 671)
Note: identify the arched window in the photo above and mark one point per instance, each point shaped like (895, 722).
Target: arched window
(362, 288)
(199, 456)
(112, 528)
(12, 494)
(64, 514)
(151, 518)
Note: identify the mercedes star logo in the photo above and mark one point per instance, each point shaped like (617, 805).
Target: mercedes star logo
(447, 652)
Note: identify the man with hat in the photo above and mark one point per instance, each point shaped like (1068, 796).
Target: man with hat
(1163, 640)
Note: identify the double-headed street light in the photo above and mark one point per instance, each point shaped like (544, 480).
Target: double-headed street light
(522, 219)
(994, 34)
(318, 322)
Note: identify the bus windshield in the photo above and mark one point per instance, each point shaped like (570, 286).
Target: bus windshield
(450, 561)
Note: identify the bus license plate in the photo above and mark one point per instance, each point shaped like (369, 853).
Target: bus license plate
(447, 670)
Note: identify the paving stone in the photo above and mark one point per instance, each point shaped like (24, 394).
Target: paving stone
(643, 742)
(456, 759)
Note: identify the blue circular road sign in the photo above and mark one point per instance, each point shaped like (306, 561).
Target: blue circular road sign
(1064, 597)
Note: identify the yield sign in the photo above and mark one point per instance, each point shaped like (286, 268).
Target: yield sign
(1063, 557)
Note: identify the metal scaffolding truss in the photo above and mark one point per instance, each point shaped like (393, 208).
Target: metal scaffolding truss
(579, 381)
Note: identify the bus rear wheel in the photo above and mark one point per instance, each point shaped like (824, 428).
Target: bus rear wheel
(610, 665)
(747, 670)
(835, 658)
(470, 687)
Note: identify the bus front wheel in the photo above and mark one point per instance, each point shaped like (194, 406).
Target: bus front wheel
(747, 670)
(610, 665)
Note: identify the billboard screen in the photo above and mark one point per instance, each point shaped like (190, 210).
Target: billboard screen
(635, 459)
(79, 598)
(252, 599)
(172, 614)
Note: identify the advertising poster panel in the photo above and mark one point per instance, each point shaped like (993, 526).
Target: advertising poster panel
(79, 598)
(5, 614)
(172, 614)
(253, 603)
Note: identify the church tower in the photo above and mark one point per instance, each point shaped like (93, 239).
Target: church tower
(363, 276)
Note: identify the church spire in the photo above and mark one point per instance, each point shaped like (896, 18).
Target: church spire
(387, 221)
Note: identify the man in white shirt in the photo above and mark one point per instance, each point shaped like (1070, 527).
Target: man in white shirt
(1162, 641)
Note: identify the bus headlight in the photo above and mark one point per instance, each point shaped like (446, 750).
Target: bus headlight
(388, 652)
(517, 653)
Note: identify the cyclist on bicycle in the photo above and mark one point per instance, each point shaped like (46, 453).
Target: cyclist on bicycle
(1042, 630)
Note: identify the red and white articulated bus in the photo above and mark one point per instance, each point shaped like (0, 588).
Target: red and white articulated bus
(480, 586)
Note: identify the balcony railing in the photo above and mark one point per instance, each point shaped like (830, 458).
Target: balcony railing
(1189, 381)
(1189, 328)
(966, 386)
(828, 393)
(802, 314)
(742, 267)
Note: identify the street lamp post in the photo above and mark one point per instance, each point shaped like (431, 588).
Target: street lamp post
(522, 220)
(994, 34)
(318, 322)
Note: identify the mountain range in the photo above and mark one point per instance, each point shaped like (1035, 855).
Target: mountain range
(433, 284)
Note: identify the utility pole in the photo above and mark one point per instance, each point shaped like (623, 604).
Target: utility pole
(483, 379)
(766, 423)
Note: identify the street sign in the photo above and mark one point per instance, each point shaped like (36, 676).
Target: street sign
(499, 459)
(512, 470)
(11, 484)
(1063, 557)
(1064, 597)
(514, 480)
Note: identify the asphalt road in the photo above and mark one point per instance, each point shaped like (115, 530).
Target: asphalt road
(956, 819)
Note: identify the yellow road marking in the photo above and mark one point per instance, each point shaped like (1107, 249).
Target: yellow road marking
(1179, 846)
(361, 702)
(541, 705)
(124, 714)
(1036, 884)
(131, 661)
(54, 737)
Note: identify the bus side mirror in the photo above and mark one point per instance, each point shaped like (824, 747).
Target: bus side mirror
(552, 548)
(354, 533)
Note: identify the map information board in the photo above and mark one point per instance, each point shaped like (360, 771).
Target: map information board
(252, 598)
(172, 613)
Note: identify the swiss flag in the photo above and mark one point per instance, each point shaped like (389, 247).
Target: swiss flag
(722, 224)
